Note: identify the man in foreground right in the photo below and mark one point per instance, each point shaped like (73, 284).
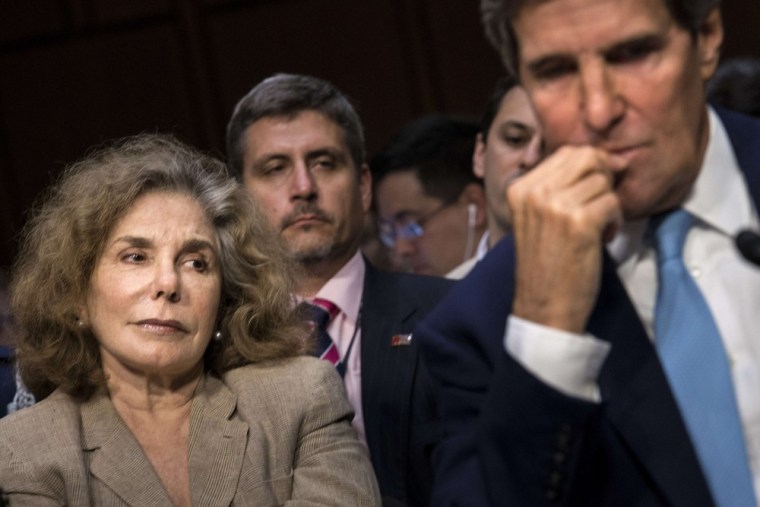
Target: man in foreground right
(629, 369)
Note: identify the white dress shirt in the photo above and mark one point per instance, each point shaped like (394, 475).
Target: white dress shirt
(722, 206)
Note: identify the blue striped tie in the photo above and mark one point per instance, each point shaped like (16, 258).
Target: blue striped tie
(691, 352)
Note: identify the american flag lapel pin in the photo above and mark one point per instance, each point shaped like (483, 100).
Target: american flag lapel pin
(401, 340)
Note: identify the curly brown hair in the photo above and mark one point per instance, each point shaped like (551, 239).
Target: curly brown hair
(65, 237)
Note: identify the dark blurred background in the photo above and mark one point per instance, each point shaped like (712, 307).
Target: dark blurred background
(74, 73)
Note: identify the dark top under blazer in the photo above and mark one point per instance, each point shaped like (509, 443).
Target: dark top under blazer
(400, 415)
(511, 440)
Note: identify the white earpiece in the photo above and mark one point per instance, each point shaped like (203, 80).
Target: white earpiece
(472, 215)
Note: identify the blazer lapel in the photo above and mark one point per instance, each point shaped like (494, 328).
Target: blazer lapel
(387, 371)
(117, 460)
(639, 402)
(744, 133)
(217, 444)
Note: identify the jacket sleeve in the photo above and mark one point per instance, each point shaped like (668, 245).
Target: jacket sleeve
(508, 439)
(331, 466)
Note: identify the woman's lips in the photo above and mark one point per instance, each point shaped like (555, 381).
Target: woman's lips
(162, 326)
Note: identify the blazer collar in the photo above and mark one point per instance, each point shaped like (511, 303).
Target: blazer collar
(216, 449)
(116, 459)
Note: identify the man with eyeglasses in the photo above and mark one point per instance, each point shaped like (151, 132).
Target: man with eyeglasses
(431, 207)
(297, 145)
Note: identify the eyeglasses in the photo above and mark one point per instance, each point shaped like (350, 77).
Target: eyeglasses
(407, 228)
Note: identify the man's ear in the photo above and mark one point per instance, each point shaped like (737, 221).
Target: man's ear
(365, 186)
(477, 157)
(709, 43)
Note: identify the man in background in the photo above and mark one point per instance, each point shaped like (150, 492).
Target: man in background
(508, 145)
(431, 207)
(297, 145)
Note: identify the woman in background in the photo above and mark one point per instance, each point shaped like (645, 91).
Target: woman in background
(156, 324)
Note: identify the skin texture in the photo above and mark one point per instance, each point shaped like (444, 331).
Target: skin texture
(152, 306)
(618, 87)
(152, 272)
(513, 147)
(443, 246)
(299, 170)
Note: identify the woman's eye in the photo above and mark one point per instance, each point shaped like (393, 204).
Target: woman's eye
(134, 257)
(197, 264)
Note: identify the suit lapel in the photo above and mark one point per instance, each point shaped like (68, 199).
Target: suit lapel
(639, 402)
(744, 133)
(217, 444)
(387, 371)
(117, 460)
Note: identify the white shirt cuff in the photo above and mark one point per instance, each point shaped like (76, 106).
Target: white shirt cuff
(568, 362)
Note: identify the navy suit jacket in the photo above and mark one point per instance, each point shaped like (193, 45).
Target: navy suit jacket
(509, 439)
(400, 413)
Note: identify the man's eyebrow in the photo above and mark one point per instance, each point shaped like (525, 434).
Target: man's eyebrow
(267, 157)
(326, 151)
(646, 38)
(517, 124)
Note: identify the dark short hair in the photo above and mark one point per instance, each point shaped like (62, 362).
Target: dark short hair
(496, 16)
(500, 89)
(736, 85)
(64, 239)
(437, 148)
(288, 95)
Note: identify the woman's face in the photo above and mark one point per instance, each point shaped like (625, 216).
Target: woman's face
(155, 290)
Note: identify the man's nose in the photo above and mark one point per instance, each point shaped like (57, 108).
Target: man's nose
(532, 154)
(303, 185)
(601, 103)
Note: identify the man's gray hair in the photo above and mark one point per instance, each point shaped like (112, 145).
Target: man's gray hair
(497, 16)
(288, 95)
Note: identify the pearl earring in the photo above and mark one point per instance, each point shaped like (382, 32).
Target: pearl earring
(218, 336)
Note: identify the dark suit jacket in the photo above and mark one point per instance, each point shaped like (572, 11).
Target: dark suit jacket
(511, 440)
(264, 434)
(400, 415)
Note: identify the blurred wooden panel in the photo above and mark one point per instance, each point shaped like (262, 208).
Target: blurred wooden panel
(354, 45)
(25, 19)
(57, 101)
(467, 66)
(103, 12)
(76, 72)
(741, 19)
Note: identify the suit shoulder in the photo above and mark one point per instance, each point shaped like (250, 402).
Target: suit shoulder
(423, 286)
(294, 378)
(41, 449)
(34, 425)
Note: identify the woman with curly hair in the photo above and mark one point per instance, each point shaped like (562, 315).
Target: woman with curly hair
(156, 324)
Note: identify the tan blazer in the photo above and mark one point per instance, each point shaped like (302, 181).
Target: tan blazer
(263, 435)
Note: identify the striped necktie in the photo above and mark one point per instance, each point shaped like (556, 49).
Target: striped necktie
(322, 313)
(692, 354)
